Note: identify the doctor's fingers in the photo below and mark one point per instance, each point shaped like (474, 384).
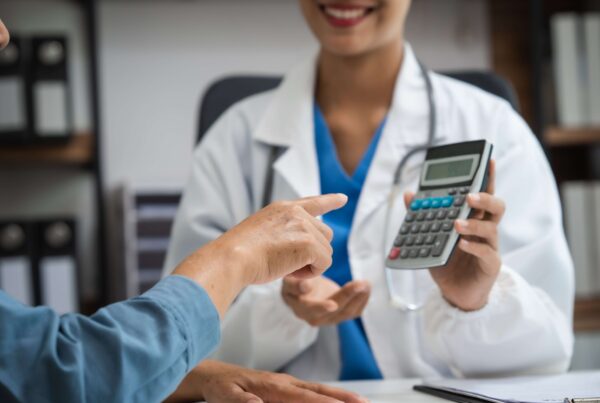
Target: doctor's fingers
(352, 310)
(295, 286)
(408, 197)
(319, 205)
(493, 206)
(491, 186)
(484, 252)
(350, 291)
(484, 230)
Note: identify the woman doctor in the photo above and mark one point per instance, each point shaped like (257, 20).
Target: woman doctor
(342, 122)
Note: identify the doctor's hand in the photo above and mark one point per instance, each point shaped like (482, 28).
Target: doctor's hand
(467, 280)
(282, 239)
(321, 302)
(217, 382)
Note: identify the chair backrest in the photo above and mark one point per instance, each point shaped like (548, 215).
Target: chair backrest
(225, 92)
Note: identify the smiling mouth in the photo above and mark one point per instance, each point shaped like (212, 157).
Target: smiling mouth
(345, 15)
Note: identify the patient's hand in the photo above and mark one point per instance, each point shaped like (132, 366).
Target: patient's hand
(321, 302)
(215, 381)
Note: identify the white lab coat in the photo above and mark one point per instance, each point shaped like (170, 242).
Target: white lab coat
(526, 325)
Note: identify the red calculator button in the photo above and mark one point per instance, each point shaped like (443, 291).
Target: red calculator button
(394, 253)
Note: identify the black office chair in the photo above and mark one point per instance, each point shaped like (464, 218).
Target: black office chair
(226, 91)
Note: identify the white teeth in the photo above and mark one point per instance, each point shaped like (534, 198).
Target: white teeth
(345, 14)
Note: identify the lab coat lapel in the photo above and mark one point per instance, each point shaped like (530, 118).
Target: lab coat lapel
(288, 123)
(405, 128)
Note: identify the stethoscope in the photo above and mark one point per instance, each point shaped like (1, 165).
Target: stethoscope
(396, 301)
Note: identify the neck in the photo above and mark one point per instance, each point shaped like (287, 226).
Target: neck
(363, 81)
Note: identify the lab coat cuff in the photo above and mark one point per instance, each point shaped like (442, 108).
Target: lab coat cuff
(193, 311)
(504, 283)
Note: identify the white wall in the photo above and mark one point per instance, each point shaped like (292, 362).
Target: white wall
(159, 56)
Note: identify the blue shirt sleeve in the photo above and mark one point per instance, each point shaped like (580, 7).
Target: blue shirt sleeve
(136, 350)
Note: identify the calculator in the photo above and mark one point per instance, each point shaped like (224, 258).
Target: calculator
(427, 237)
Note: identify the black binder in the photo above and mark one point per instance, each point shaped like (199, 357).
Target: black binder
(15, 107)
(56, 263)
(52, 117)
(16, 269)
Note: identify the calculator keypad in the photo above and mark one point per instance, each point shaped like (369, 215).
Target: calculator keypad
(427, 225)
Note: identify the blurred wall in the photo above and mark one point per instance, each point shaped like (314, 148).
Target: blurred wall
(159, 56)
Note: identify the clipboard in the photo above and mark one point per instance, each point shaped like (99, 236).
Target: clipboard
(573, 387)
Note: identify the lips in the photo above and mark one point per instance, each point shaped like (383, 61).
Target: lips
(345, 15)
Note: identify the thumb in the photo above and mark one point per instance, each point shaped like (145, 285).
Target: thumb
(319, 205)
(295, 286)
(408, 198)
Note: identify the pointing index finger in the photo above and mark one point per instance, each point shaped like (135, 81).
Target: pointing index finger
(319, 205)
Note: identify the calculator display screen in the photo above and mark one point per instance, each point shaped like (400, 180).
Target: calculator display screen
(449, 169)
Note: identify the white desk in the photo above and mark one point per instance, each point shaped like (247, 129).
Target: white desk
(389, 391)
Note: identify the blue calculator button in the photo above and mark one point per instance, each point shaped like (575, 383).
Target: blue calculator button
(447, 201)
(426, 203)
(436, 202)
(416, 204)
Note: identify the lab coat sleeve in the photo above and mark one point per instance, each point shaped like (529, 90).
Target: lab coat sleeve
(526, 326)
(260, 330)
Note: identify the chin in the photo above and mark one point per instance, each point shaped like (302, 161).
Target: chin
(348, 46)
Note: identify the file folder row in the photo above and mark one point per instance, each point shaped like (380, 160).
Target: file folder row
(34, 89)
(38, 264)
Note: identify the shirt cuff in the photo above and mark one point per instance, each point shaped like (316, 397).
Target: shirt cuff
(193, 311)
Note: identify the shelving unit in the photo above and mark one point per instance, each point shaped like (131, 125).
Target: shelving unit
(557, 136)
(78, 152)
(587, 314)
(82, 152)
(568, 148)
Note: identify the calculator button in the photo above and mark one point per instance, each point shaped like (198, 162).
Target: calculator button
(404, 253)
(424, 252)
(421, 216)
(425, 227)
(399, 241)
(410, 241)
(436, 202)
(464, 190)
(430, 215)
(441, 214)
(447, 201)
(452, 191)
(414, 253)
(426, 203)
(410, 216)
(430, 239)
(459, 201)
(438, 245)
(415, 228)
(394, 253)
(453, 213)
(447, 226)
(416, 204)
(419, 240)
(435, 227)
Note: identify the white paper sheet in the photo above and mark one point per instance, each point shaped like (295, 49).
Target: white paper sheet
(543, 389)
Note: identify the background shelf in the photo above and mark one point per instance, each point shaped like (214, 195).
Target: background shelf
(587, 314)
(560, 136)
(78, 151)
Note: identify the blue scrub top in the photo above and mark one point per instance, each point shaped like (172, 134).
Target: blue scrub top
(357, 358)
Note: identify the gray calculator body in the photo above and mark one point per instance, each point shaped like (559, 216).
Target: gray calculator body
(427, 237)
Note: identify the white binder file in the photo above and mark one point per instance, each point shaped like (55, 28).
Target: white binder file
(15, 263)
